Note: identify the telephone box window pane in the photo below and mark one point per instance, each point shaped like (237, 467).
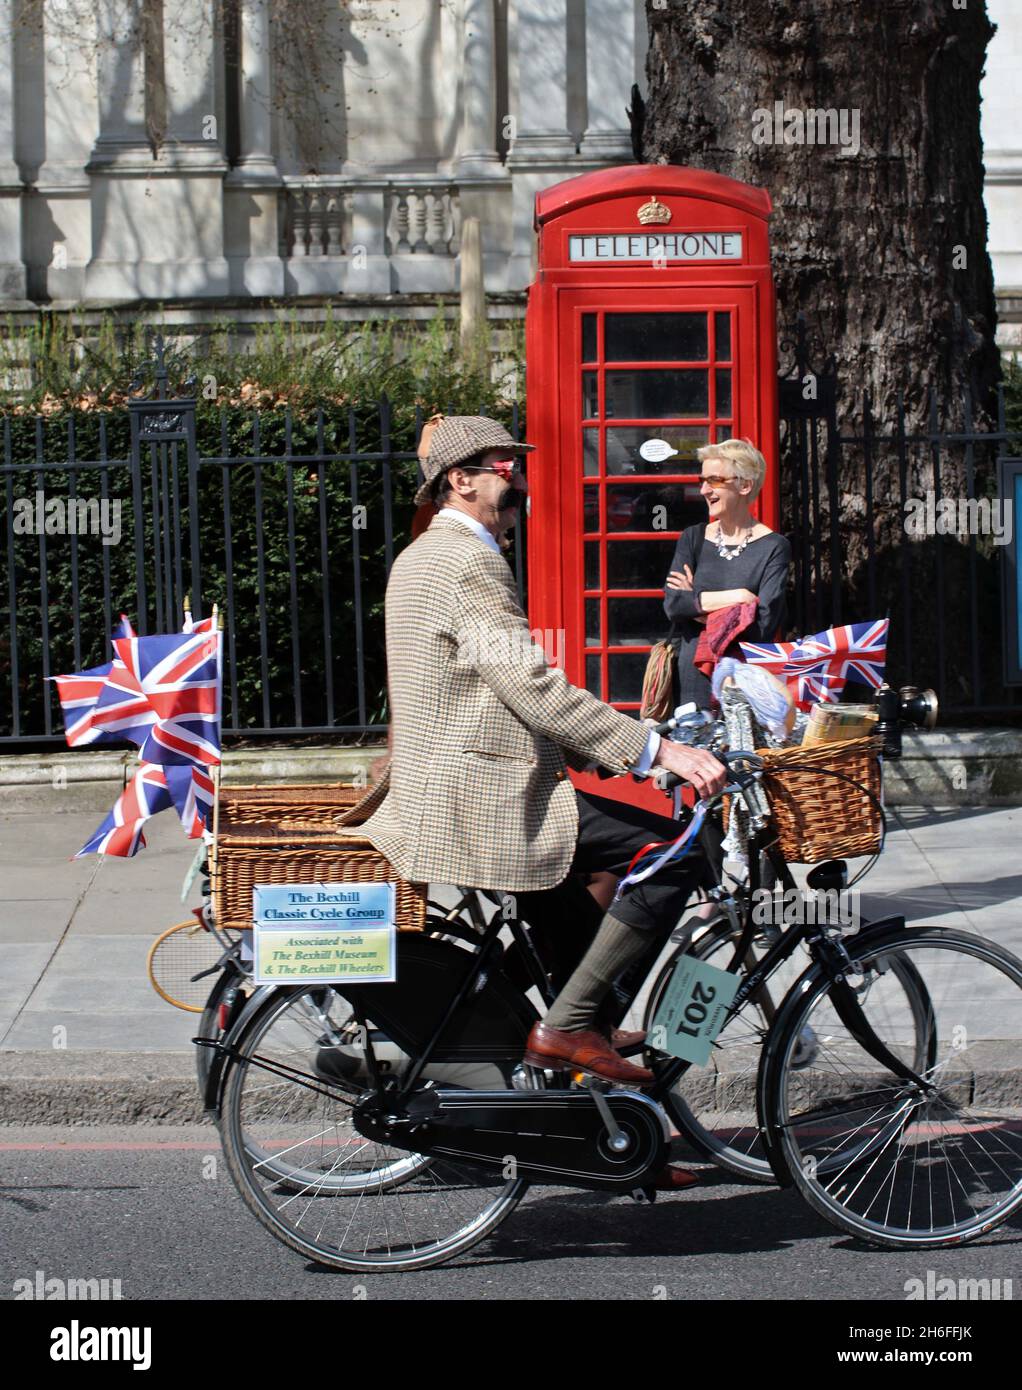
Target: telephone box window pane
(654, 338)
(654, 506)
(590, 396)
(626, 672)
(593, 682)
(656, 394)
(639, 565)
(591, 509)
(722, 337)
(592, 622)
(634, 620)
(724, 392)
(592, 564)
(624, 442)
(723, 433)
(588, 337)
(590, 452)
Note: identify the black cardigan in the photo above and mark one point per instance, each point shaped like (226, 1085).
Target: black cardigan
(762, 568)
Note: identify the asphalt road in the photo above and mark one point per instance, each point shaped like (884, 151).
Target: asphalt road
(155, 1209)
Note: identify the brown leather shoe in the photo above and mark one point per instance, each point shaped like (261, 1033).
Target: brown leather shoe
(673, 1179)
(587, 1051)
(625, 1042)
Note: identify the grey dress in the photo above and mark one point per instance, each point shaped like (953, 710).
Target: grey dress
(762, 568)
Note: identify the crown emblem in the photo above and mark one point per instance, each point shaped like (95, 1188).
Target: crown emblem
(654, 211)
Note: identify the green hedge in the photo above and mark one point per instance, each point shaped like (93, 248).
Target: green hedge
(332, 396)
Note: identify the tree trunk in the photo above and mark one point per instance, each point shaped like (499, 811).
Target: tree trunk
(879, 239)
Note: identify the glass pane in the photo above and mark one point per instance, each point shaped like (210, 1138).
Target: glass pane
(591, 508)
(592, 622)
(723, 434)
(639, 564)
(654, 338)
(654, 506)
(593, 682)
(590, 453)
(626, 673)
(724, 392)
(592, 564)
(656, 394)
(722, 337)
(631, 620)
(589, 337)
(590, 398)
(624, 441)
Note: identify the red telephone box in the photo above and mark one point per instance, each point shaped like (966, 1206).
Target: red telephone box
(650, 331)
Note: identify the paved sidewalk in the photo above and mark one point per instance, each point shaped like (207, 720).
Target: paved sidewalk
(84, 1037)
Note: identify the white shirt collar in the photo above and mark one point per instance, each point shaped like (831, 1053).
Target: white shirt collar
(473, 525)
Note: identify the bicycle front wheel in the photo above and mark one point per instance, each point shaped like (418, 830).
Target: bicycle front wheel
(924, 1160)
(714, 1107)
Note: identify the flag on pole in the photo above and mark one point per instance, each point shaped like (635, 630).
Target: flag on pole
(121, 832)
(162, 693)
(179, 675)
(818, 667)
(78, 694)
(192, 792)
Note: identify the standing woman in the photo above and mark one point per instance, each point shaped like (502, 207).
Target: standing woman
(733, 559)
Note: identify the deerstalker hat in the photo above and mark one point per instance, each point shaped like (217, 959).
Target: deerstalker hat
(450, 439)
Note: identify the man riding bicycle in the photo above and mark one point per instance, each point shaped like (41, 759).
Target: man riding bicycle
(483, 731)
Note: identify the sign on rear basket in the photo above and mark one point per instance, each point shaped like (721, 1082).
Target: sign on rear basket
(332, 932)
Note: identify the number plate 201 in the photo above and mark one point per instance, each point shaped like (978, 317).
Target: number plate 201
(693, 1010)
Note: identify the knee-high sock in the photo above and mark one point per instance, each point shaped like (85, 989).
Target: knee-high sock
(616, 945)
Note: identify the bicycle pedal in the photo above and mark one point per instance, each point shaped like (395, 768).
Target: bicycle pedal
(645, 1196)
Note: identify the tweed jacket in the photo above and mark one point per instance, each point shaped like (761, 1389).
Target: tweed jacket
(482, 728)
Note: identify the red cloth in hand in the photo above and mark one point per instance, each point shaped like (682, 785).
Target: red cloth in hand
(723, 628)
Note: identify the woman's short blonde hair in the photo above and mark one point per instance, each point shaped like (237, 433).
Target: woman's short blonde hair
(748, 463)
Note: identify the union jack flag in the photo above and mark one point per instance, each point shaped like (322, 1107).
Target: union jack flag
(191, 624)
(192, 791)
(121, 832)
(78, 694)
(818, 667)
(123, 710)
(122, 628)
(179, 675)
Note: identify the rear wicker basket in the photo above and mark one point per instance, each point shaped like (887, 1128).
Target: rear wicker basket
(817, 816)
(274, 834)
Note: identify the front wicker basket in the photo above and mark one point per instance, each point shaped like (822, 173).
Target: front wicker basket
(819, 817)
(285, 834)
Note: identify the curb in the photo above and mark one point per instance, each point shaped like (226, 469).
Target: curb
(100, 1088)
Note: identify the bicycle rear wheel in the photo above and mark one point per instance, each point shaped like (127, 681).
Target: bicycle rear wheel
(892, 1160)
(298, 1158)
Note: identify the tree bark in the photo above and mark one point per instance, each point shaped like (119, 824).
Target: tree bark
(883, 247)
(870, 244)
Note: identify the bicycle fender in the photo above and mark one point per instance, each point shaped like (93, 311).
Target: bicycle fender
(235, 1028)
(768, 1075)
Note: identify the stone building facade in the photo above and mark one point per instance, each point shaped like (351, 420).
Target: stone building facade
(203, 152)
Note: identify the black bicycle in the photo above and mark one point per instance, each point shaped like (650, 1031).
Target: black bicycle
(879, 1093)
